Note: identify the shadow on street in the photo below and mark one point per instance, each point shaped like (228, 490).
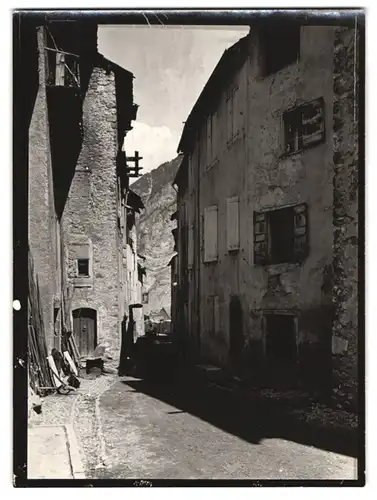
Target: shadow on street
(246, 416)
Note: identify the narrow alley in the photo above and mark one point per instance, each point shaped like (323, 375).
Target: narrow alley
(191, 431)
(192, 248)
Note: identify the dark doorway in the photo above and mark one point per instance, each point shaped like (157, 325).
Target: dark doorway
(281, 350)
(85, 330)
(236, 336)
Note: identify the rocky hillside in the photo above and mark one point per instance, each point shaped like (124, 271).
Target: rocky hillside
(155, 240)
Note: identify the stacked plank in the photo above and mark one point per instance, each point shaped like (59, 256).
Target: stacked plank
(39, 371)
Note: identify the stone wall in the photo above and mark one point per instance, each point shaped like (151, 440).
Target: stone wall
(345, 213)
(43, 226)
(91, 210)
(255, 168)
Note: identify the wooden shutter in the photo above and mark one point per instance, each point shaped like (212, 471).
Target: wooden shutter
(260, 238)
(210, 234)
(190, 260)
(301, 232)
(232, 223)
(313, 123)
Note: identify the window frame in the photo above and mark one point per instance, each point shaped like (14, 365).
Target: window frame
(87, 262)
(299, 134)
(262, 236)
(80, 248)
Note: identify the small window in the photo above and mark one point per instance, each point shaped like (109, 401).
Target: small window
(83, 267)
(145, 297)
(304, 126)
(281, 236)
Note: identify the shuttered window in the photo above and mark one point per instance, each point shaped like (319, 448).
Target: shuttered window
(260, 238)
(210, 234)
(81, 258)
(304, 126)
(301, 232)
(232, 223)
(281, 235)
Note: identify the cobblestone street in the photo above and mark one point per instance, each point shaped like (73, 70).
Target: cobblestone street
(167, 431)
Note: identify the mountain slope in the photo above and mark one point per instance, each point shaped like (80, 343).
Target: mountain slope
(155, 240)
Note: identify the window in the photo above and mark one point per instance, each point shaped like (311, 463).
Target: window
(281, 236)
(280, 46)
(304, 126)
(145, 297)
(232, 223)
(232, 114)
(81, 261)
(210, 234)
(83, 267)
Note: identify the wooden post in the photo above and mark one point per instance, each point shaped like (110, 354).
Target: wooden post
(60, 69)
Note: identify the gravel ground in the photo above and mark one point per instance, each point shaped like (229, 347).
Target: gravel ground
(88, 426)
(79, 409)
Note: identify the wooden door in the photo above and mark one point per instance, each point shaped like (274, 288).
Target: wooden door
(85, 330)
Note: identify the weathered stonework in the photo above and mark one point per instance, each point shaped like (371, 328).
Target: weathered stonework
(345, 212)
(91, 211)
(77, 186)
(318, 291)
(255, 168)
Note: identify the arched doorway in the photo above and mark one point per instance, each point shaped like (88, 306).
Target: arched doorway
(85, 330)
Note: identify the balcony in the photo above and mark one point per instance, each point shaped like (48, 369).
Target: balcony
(64, 101)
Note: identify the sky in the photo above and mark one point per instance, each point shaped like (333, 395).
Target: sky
(171, 65)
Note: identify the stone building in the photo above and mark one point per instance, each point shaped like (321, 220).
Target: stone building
(81, 210)
(257, 206)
